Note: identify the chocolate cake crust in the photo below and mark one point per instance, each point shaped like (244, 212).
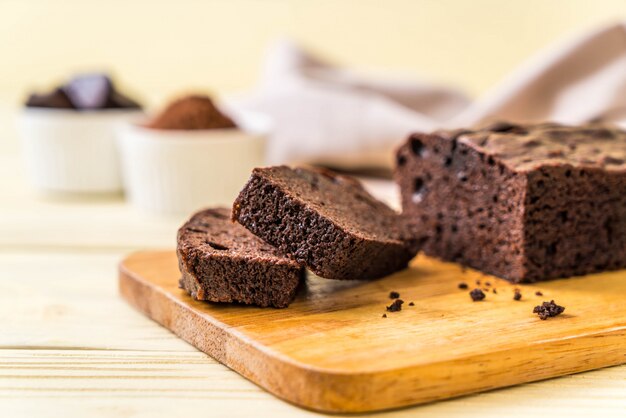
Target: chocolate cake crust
(221, 261)
(523, 202)
(326, 221)
(526, 148)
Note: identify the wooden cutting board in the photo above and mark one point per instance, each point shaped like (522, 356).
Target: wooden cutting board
(332, 350)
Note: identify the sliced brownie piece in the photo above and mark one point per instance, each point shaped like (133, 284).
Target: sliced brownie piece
(524, 202)
(221, 261)
(324, 220)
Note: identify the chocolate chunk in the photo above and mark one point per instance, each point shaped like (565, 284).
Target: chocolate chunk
(57, 100)
(548, 309)
(395, 306)
(538, 293)
(394, 295)
(384, 315)
(84, 92)
(517, 295)
(477, 295)
(117, 100)
(463, 286)
(89, 91)
(411, 304)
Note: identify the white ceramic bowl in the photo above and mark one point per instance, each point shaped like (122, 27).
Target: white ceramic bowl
(179, 171)
(72, 151)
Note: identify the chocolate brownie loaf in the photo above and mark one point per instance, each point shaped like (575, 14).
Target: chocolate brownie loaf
(326, 221)
(221, 261)
(523, 202)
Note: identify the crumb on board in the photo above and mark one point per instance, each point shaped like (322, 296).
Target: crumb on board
(477, 295)
(548, 309)
(395, 306)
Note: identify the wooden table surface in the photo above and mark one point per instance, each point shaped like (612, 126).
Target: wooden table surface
(69, 346)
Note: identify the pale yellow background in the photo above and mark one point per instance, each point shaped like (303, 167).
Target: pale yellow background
(158, 49)
(161, 47)
(58, 256)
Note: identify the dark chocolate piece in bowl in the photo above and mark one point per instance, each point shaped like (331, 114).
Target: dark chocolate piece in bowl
(523, 202)
(57, 99)
(326, 221)
(548, 310)
(89, 91)
(84, 92)
(220, 261)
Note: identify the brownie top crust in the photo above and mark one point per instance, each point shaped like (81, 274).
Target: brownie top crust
(530, 146)
(341, 199)
(212, 232)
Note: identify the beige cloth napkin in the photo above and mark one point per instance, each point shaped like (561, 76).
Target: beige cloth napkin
(328, 115)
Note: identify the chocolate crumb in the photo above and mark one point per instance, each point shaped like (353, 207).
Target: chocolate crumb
(395, 306)
(394, 295)
(538, 293)
(384, 315)
(485, 289)
(463, 285)
(477, 295)
(478, 282)
(517, 295)
(548, 309)
(494, 290)
(487, 283)
(411, 304)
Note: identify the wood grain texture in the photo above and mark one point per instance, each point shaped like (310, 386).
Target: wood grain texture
(331, 350)
(70, 346)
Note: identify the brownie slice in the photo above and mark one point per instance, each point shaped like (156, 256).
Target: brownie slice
(324, 220)
(221, 261)
(523, 202)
